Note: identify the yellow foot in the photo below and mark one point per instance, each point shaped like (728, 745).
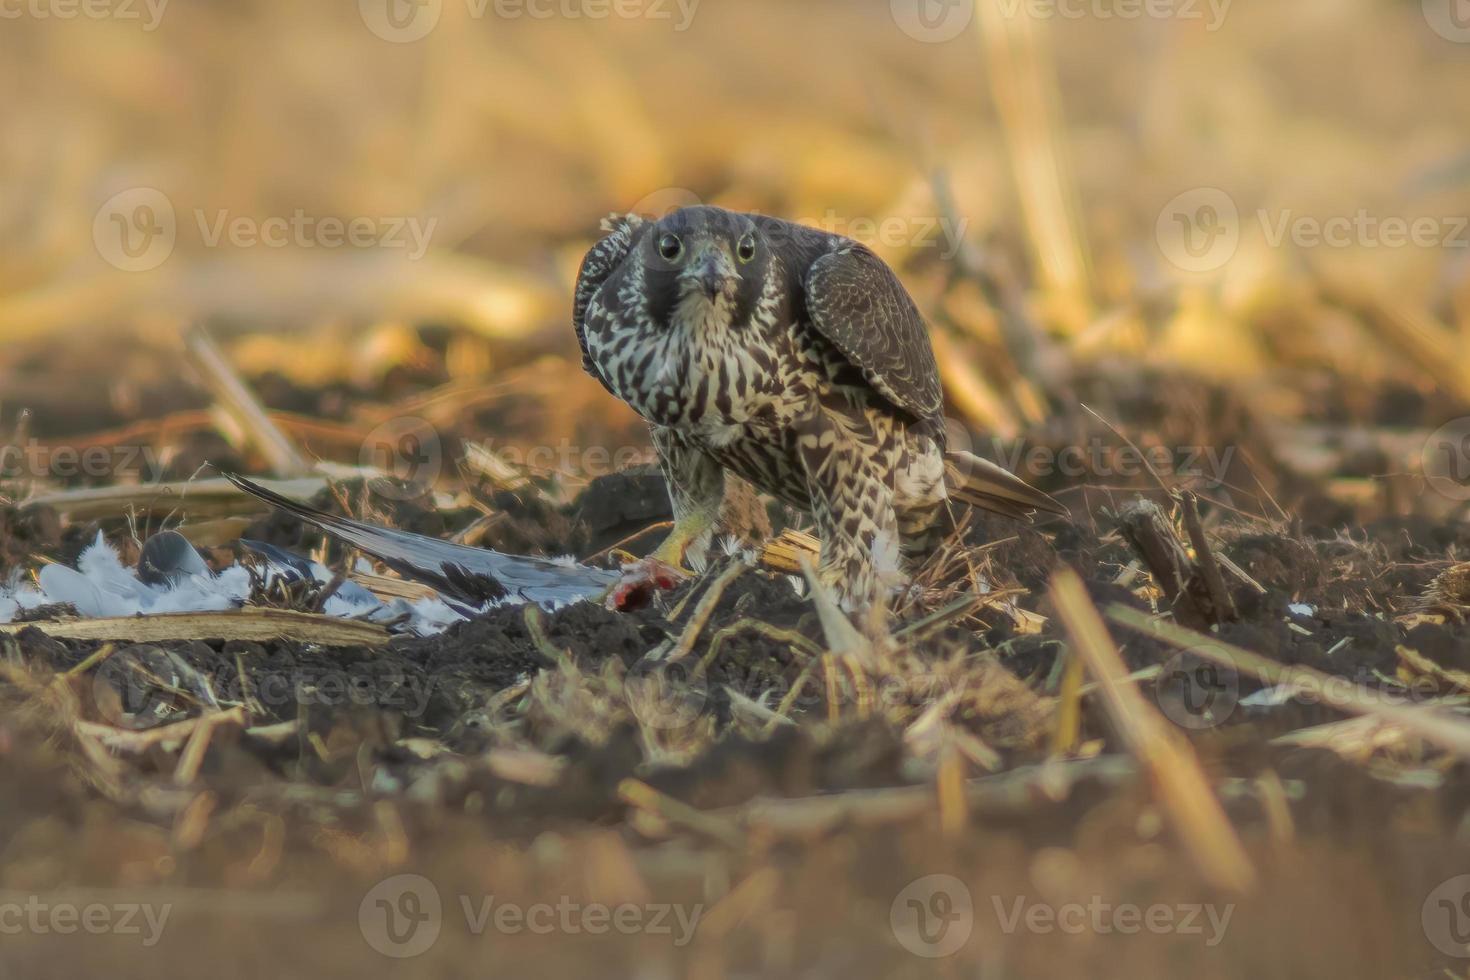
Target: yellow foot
(662, 570)
(685, 532)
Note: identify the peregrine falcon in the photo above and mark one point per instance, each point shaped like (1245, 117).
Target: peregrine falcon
(794, 359)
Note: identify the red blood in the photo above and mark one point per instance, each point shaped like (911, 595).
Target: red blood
(641, 579)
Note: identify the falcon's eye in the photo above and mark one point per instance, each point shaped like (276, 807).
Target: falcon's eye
(746, 249)
(670, 248)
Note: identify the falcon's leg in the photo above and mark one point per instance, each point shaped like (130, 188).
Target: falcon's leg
(853, 505)
(696, 490)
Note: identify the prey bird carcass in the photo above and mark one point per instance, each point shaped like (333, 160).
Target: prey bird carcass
(467, 578)
(794, 359)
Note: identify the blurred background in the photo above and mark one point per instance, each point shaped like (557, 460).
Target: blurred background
(304, 239)
(1214, 223)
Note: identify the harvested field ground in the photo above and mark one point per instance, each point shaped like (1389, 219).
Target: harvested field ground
(1217, 724)
(544, 759)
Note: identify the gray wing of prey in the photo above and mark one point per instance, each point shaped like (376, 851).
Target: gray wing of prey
(469, 575)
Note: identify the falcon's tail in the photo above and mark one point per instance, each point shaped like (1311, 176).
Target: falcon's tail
(980, 483)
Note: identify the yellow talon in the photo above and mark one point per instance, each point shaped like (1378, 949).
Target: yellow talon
(687, 530)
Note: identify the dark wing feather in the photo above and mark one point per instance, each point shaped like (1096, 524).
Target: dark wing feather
(858, 304)
(472, 575)
(601, 261)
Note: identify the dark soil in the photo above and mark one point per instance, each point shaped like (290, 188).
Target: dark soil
(496, 758)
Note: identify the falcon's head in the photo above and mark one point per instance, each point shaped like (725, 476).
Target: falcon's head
(705, 263)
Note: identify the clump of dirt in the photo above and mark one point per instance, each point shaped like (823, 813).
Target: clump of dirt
(496, 649)
(618, 506)
(790, 763)
(27, 532)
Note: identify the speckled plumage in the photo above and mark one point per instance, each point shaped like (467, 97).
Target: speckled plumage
(786, 355)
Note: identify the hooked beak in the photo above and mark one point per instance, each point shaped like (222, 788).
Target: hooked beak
(713, 273)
